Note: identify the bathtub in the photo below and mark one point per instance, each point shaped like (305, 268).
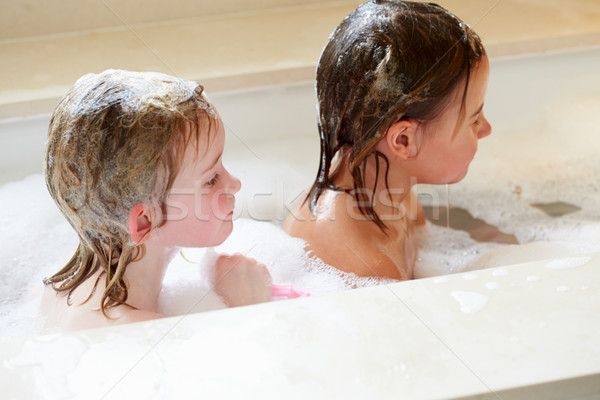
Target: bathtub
(527, 330)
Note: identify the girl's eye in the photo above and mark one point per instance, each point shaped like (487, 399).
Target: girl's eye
(476, 122)
(212, 181)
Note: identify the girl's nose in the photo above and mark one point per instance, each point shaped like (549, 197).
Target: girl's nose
(234, 184)
(485, 130)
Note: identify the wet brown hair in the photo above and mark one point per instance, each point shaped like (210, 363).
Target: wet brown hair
(115, 140)
(387, 61)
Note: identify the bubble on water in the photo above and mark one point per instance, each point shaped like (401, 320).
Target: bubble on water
(443, 251)
(36, 238)
(33, 222)
(469, 276)
(31, 249)
(188, 285)
(492, 285)
(501, 193)
(533, 278)
(562, 288)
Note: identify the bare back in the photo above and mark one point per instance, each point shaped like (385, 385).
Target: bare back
(344, 238)
(82, 314)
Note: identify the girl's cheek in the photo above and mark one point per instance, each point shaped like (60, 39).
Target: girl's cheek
(206, 207)
(222, 204)
(177, 208)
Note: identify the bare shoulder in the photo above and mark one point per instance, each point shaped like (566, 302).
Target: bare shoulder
(353, 245)
(342, 237)
(361, 252)
(299, 218)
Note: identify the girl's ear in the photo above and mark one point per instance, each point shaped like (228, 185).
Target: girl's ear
(403, 138)
(139, 222)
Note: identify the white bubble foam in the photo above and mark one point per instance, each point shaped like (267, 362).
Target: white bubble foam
(501, 193)
(187, 286)
(287, 260)
(35, 237)
(444, 251)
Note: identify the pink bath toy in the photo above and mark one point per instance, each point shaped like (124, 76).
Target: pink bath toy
(284, 292)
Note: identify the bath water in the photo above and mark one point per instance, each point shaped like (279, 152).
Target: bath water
(512, 171)
(553, 160)
(36, 239)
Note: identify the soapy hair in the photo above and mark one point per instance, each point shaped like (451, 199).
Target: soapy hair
(115, 140)
(387, 61)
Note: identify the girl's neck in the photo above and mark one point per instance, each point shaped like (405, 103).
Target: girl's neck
(144, 277)
(387, 198)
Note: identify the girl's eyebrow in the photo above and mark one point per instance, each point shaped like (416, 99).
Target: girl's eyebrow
(214, 162)
(478, 110)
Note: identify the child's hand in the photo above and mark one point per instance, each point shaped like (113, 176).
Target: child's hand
(242, 281)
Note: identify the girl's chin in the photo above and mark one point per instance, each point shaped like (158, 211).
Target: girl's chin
(226, 229)
(460, 177)
(457, 180)
(447, 181)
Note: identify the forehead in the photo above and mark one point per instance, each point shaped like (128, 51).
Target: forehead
(461, 106)
(204, 141)
(476, 90)
(478, 81)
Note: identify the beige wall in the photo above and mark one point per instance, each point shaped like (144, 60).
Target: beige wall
(230, 44)
(27, 18)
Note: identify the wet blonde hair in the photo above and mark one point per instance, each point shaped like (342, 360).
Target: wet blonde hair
(115, 140)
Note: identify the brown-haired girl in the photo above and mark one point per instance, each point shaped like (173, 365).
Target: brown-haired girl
(133, 161)
(400, 89)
